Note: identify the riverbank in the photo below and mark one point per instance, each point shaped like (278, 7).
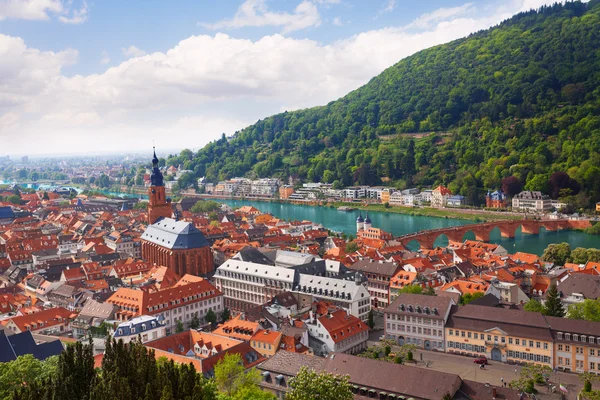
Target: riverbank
(458, 213)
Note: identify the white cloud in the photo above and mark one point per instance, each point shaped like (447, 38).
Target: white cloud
(183, 98)
(29, 9)
(133, 51)
(105, 58)
(388, 6)
(337, 21)
(426, 21)
(77, 16)
(255, 13)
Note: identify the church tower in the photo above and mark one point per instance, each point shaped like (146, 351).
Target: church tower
(159, 205)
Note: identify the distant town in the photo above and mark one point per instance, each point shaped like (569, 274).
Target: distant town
(194, 280)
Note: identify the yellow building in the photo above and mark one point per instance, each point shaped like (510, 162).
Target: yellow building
(598, 207)
(576, 344)
(385, 196)
(266, 342)
(500, 334)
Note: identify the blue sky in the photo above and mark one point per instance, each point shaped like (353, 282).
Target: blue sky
(112, 75)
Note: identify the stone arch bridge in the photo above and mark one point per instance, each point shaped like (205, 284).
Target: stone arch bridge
(482, 231)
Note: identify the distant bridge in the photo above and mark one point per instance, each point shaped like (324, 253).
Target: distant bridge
(482, 231)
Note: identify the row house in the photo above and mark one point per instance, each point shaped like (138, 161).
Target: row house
(48, 321)
(145, 328)
(180, 303)
(418, 319)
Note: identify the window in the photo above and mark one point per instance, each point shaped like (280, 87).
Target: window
(503, 339)
(592, 365)
(489, 338)
(592, 352)
(560, 360)
(567, 348)
(469, 335)
(462, 333)
(517, 342)
(560, 347)
(538, 345)
(450, 332)
(531, 343)
(545, 346)
(476, 335)
(510, 340)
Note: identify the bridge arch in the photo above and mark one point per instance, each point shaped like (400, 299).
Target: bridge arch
(440, 240)
(413, 245)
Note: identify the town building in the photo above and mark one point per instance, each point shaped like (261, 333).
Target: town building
(286, 191)
(144, 328)
(49, 321)
(379, 274)
(159, 206)
(439, 196)
(266, 342)
(418, 319)
(20, 344)
(177, 304)
(338, 332)
(532, 201)
(500, 334)
(496, 199)
(178, 245)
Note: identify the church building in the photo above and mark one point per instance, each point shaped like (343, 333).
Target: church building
(169, 242)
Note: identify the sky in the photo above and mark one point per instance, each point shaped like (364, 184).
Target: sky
(97, 76)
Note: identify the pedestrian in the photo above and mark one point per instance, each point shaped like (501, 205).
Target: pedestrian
(515, 370)
(502, 380)
(504, 384)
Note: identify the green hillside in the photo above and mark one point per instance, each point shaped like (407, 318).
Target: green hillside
(518, 100)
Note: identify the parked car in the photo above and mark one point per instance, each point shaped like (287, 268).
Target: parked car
(480, 360)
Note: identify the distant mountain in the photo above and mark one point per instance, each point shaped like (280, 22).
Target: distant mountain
(520, 99)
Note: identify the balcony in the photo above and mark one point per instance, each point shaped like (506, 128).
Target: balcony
(493, 343)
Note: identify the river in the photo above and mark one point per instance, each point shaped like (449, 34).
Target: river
(401, 224)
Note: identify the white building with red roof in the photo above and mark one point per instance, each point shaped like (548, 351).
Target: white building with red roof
(338, 332)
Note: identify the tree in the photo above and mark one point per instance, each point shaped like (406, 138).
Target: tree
(411, 289)
(511, 186)
(24, 370)
(430, 291)
(370, 320)
(588, 310)
(351, 247)
(231, 375)
(587, 378)
(179, 327)
(226, 314)
(557, 253)
(308, 384)
(469, 297)
(553, 306)
(14, 199)
(204, 206)
(195, 322)
(211, 317)
(559, 182)
(252, 393)
(533, 305)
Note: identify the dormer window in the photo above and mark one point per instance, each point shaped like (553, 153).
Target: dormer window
(567, 336)
(560, 335)
(132, 330)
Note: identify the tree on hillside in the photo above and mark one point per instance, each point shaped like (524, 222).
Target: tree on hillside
(511, 186)
(553, 306)
(557, 253)
(561, 184)
(308, 384)
(534, 305)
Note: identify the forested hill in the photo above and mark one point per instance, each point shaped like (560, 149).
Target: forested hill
(518, 100)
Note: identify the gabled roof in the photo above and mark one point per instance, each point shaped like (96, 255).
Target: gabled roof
(341, 325)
